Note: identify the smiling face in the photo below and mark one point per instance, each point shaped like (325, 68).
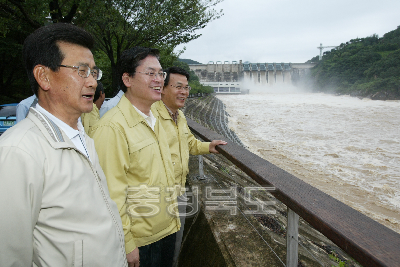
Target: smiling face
(66, 94)
(143, 90)
(171, 96)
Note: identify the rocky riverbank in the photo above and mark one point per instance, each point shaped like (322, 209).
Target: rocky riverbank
(381, 95)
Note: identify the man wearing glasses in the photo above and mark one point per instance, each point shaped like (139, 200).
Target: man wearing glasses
(136, 160)
(180, 140)
(54, 203)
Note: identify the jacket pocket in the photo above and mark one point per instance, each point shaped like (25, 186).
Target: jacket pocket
(142, 144)
(141, 153)
(143, 157)
(78, 254)
(184, 140)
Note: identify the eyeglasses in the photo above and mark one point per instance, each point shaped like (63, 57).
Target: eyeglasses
(154, 74)
(182, 88)
(84, 71)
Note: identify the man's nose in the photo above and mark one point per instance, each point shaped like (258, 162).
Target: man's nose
(158, 77)
(91, 81)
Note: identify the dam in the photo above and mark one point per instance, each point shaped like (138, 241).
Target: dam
(229, 77)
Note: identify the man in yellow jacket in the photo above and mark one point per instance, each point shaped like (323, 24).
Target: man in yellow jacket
(180, 140)
(135, 156)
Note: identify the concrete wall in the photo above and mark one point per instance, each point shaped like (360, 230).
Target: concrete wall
(218, 238)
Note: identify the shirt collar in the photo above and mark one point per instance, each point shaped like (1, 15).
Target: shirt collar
(173, 116)
(68, 130)
(151, 120)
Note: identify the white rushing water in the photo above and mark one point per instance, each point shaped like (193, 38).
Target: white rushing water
(347, 147)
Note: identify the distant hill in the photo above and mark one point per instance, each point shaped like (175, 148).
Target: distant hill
(189, 61)
(367, 67)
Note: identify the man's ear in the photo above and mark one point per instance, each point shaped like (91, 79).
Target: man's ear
(126, 79)
(41, 75)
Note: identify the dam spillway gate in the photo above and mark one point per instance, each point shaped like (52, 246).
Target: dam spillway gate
(228, 77)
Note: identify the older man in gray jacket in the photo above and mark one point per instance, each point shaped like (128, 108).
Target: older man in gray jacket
(55, 208)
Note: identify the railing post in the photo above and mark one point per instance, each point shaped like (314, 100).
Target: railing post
(201, 171)
(292, 237)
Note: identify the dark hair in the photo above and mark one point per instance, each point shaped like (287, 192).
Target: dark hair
(99, 90)
(175, 70)
(130, 60)
(41, 47)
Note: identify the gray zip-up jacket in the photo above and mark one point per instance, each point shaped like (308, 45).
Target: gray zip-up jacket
(55, 208)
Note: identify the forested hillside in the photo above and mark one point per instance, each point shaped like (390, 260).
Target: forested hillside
(366, 67)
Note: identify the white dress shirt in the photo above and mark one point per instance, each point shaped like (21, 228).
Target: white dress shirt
(76, 136)
(151, 120)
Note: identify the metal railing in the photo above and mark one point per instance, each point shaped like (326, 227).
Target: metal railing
(364, 239)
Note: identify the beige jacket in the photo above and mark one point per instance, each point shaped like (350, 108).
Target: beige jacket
(54, 203)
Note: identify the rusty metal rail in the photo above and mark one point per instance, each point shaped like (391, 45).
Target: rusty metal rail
(364, 239)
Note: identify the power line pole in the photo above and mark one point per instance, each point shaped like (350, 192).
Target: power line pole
(320, 50)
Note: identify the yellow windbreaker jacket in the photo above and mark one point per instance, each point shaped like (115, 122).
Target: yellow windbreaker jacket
(181, 142)
(137, 163)
(89, 119)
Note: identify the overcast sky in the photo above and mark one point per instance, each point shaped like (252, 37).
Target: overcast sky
(288, 30)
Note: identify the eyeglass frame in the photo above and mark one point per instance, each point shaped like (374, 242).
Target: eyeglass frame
(184, 88)
(90, 71)
(154, 74)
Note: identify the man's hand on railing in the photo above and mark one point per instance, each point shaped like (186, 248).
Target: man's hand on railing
(215, 143)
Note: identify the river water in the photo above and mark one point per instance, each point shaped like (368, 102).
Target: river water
(347, 147)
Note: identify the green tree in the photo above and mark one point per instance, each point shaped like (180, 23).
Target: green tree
(121, 24)
(362, 66)
(19, 18)
(116, 25)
